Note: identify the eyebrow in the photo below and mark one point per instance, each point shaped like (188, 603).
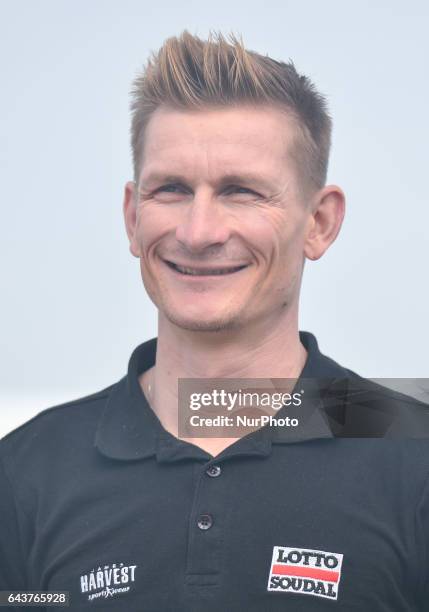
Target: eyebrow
(244, 177)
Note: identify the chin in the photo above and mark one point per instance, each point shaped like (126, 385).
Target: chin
(213, 324)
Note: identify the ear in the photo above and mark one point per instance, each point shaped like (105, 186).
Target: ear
(130, 217)
(327, 217)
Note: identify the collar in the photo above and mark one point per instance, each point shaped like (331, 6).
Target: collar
(128, 428)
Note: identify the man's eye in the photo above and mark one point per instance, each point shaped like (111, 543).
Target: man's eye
(170, 188)
(236, 188)
(165, 187)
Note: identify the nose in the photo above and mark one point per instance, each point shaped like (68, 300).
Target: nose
(204, 223)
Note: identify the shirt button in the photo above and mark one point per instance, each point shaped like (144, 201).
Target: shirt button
(205, 521)
(213, 471)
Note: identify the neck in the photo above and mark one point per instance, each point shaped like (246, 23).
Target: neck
(267, 351)
(270, 346)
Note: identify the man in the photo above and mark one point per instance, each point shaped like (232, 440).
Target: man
(107, 499)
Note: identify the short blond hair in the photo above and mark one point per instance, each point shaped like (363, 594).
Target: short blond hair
(192, 74)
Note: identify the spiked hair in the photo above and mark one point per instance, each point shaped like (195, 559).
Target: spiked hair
(188, 73)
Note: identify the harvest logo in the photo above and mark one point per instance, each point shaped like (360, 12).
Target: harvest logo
(107, 581)
(304, 570)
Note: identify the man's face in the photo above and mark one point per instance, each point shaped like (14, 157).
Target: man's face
(196, 206)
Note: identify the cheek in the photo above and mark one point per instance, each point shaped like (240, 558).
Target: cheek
(152, 224)
(287, 259)
(264, 228)
(279, 238)
(293, 235)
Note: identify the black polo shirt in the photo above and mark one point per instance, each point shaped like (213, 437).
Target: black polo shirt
(98, 499)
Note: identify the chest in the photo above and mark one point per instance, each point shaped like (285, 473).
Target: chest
(260, 534)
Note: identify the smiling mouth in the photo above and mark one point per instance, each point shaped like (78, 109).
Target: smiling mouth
(204, 272)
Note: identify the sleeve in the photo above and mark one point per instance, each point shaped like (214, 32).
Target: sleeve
(12, 556)
(422, 529)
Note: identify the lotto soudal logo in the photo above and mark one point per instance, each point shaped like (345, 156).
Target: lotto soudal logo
(107, 581)
(304, 570)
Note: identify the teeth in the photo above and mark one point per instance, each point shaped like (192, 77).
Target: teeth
(204, 271)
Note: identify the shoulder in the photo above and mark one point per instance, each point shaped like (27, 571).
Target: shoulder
(380, 391)
(361, 407)
(51, 428)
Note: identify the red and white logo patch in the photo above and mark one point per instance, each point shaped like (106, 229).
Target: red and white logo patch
(306, 571)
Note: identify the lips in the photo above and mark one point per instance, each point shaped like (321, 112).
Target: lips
(201, 271)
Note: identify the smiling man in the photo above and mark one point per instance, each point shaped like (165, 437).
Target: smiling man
(109, 498)
(222, 222)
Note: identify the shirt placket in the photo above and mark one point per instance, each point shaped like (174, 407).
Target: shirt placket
(207, 525)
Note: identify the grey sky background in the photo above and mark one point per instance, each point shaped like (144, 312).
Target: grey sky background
(73, 304)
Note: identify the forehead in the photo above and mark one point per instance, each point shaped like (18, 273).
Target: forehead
(229, 138)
